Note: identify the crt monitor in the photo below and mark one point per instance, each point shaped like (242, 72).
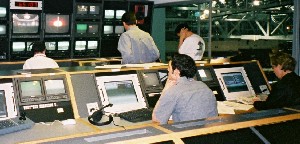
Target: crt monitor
(108, 29)
(30, 91)
(54, 86)
(57, 24)
(109, 14)
(18, 46)
(50, 45)
(119, 13)
(81, 28)
(150, 80)
(94, 9)
(63, 45)
(25, 23)
(29, 46)
(80, 45)
(234, 82)
(123, 91)
(3, 109)
(82, 9)
(93, 28)
(207, 75)
(2, 29)
(92, 45)
(119, 29)
(2, 12)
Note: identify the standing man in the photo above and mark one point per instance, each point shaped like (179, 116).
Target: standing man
(39, 60)
(285, 92)
(189, 43)
(183, 98)
(135, 45)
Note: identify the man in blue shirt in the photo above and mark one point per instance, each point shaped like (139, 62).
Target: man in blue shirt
(183, 98)
(135, 45)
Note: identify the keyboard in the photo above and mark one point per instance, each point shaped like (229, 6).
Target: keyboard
(138, 115)
(14, 125)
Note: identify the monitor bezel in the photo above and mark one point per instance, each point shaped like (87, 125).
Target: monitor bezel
(147, 88)
(141, 101)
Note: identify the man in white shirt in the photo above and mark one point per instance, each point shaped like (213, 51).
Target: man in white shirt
(189, 43)
(39, 60)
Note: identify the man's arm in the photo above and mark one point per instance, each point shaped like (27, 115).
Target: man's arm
(124, 47)
(183, 32)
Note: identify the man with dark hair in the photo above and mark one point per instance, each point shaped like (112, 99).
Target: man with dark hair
(285, 92)
(135, 45)
(183, 98)
(39, 60)
(189, 43)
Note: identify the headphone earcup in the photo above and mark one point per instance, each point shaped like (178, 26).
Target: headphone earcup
(97, 116)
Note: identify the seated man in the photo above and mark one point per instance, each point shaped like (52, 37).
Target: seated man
(285, 92)
(183, 97)
(39, 60)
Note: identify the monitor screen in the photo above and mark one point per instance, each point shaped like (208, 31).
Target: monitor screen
(56, 24)
(54, 87)
(2, 12)
(63, 45)
(151, 79)
(119, 13)
(29, 46)
(92, 45)
(3, 111)
(109, 14)
(50, 45)
(82, 9)
(119, 29)
(18, 46)
(205, 75)
(234, 82)
(93, 28)
(80, 45)
(94, 9)
(123, 91)
(25, 23)
(81, 28)
(30, 88)
(2, 29)
(108, 29)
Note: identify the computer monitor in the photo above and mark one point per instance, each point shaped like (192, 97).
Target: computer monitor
(29, 46)
(92, 45)
(25, 23)
(63, 45)
(80, 45)
(57, 24)
(55, 89)
(18, 46)
(82, 9)
(81, 28)
(109, 14)
(2, 12)
(93, 28)
(207, 75)
(123, 91)
(50, 45)
(94, 10)
(3, 109)
(30, 91)
(150, 80)
(108, 29)
(119, 13)
(2, 29)
(119, 29)
(234, 82)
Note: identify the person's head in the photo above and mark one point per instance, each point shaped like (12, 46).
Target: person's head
(128, 19)
(182, 65)
(180, 26)
(282, 63)
(38, 47)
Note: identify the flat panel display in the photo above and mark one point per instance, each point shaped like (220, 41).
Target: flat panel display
(120, 92)
(57, 24)
(25, 23)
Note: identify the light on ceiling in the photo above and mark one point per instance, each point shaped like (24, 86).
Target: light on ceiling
(256, 2)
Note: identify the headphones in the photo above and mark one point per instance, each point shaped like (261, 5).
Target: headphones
(97, 116)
